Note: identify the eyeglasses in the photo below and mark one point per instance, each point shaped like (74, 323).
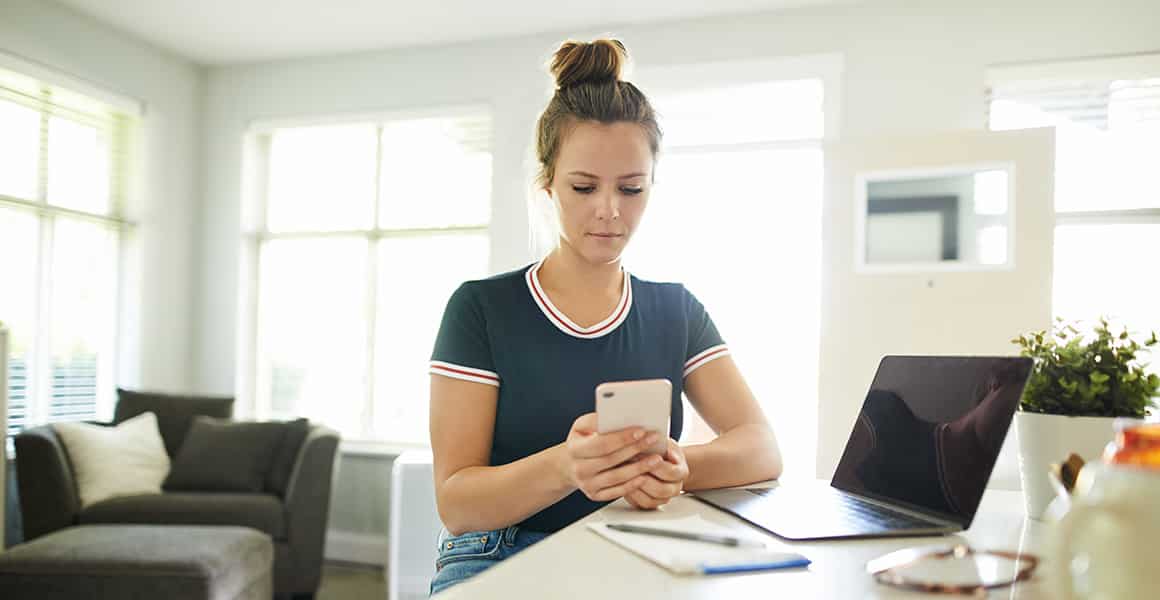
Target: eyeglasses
(958, 569)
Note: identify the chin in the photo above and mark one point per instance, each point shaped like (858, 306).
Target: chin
(601, 256)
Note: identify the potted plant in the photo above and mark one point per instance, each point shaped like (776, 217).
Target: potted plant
(1080, 385)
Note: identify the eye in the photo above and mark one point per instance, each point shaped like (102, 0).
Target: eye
(631, 190)
(583, 189)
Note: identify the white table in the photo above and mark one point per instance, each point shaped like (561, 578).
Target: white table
(577, 563)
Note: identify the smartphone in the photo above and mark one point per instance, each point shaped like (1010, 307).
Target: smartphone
(641, 403)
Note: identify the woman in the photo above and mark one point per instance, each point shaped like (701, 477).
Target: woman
(519, 355)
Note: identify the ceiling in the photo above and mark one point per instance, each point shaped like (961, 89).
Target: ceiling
(215, 32)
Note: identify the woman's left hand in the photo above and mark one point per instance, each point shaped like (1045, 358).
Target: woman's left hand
(664, 482)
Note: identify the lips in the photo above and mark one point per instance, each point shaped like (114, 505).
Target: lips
(605, 235)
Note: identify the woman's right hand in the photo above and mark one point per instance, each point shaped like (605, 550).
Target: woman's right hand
(601, 464)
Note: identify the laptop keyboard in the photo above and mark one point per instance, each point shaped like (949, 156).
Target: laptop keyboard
(862, 514)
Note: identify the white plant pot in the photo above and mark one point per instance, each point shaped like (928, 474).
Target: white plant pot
(1046, 439)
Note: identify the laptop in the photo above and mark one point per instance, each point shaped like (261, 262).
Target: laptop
(917, 460)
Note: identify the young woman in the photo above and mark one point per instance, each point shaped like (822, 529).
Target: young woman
(519, 355)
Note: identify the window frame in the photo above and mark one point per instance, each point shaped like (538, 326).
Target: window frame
(662, 80)
(1096, 68)
(119, 120)
(255, 234)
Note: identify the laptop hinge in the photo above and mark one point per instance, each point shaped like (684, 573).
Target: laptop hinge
(913, 512)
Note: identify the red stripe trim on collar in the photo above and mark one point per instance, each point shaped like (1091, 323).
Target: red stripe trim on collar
(565, 324)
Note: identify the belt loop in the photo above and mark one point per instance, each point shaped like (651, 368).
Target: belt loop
(509, 535)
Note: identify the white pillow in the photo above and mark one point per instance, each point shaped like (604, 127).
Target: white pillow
(125, 460)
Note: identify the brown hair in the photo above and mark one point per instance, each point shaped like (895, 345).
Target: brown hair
(588, 88)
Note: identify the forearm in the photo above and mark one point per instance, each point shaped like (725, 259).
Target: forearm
(745, 454)
(486, 498)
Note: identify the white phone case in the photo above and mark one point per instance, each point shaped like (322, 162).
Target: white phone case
(642, 403)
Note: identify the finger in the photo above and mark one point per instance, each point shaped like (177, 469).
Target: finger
(673, 452)
(616, 491)
(658, 489)
(643, 501)
(607, 443)
(593, 466)
(667, 471)
(625, 472)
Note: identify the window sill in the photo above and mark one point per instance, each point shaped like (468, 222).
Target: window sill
(363, 447)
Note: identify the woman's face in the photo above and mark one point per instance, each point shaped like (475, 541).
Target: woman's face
(600, 188)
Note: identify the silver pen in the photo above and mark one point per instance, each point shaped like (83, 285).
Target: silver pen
(724, 540)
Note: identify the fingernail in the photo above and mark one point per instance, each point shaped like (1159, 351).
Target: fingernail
(636, 435)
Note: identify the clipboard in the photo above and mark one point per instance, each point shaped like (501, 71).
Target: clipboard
(690, 557)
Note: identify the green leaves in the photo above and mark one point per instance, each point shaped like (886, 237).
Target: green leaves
(1094, 375)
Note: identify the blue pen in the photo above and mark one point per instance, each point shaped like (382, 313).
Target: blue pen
(791, 561)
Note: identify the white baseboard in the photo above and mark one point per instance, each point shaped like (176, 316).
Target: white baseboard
(362, 548)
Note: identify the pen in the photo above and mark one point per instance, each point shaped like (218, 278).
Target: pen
(724, 540)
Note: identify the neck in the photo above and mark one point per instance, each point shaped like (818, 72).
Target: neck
(565, 271)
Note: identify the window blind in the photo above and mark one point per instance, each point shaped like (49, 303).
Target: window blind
(1105, 93)
(1103, 104)
(59, 114)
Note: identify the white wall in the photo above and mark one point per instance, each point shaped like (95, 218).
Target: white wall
(866, 316)
(910, 68)
(155, 325)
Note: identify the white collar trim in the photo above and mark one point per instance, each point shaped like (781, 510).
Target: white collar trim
(563, 323)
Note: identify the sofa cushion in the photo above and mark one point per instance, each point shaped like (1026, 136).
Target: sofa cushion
(294, 433)
(259, 511)
(125, 460)
(225, 456)
(174, 412)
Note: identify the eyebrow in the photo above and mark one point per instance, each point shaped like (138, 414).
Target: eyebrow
(587, 174)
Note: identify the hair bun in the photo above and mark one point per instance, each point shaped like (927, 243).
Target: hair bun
(588, 62)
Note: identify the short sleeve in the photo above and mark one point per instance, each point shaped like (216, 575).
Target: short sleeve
(462, 350)
(704, 344)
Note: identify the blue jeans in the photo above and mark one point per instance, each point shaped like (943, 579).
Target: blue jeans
(464, 556)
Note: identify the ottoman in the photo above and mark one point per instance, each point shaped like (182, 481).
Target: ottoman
(140, 562)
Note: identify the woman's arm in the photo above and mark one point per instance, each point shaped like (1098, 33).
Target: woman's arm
(470, 495)
(473, 496)
(745, 450)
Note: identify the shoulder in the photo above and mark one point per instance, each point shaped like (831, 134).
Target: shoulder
(667, 290)
(496, 290)
(668, 298)
(494, 284)
(668, 293)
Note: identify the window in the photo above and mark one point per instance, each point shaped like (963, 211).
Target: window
(63, 158)
(741, 176)
(365, 229)
(1107, 194)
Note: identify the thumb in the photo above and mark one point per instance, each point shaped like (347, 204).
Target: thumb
(585, 423)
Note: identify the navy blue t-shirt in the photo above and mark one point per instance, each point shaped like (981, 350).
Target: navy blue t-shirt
(504, 331)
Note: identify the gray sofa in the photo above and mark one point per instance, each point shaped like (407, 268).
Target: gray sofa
(295, 520)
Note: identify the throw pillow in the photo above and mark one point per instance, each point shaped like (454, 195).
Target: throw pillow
(278, 480)
(225, 456)
(125, 460)
(174, 412)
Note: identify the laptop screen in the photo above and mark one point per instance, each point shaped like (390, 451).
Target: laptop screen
(930, 430)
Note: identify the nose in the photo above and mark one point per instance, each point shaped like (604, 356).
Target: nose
(608, 206)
